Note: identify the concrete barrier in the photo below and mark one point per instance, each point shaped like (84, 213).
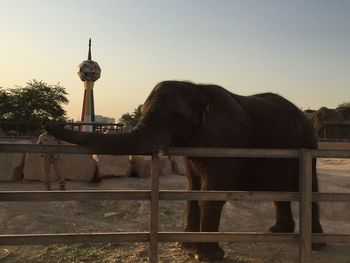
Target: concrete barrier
(179, 164)
(75, 167)
(12, 163)
(113, 166)
(141, 165)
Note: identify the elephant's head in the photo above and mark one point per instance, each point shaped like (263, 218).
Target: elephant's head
(170, 116)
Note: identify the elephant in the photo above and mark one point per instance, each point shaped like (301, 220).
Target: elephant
(185, 114)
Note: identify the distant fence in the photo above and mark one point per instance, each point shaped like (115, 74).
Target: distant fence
(334, 131)
(29, 129)
(153, 236)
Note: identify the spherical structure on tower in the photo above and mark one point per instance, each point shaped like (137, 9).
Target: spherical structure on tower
(89, 71)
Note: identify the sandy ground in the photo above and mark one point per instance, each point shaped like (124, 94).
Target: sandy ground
(107, 216)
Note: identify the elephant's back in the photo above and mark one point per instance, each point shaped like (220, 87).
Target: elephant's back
(276, 122)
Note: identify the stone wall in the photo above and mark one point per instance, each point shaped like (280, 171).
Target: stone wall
(12, 163)
(79, 167)
(75, 167)
(113, 166)
(179, 164)
(141, 165)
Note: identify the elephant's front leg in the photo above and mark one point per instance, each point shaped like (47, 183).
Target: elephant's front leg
(192, 214)
(210, 220)
(284, 218)
(221, 174)
(192, 222)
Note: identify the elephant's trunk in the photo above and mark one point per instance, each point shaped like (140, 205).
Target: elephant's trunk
(141, 140)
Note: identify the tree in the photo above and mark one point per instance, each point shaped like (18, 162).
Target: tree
(104, 119)
(131, 119)
(5, 103)
(36, 101)
(343, 111)
(325, 114)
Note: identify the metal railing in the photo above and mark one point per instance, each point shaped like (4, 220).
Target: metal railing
(32, 129)
(304, 197)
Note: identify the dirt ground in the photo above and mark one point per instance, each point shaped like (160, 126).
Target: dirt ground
(110, 216)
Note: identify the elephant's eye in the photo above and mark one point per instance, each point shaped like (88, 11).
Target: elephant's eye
(178, 118)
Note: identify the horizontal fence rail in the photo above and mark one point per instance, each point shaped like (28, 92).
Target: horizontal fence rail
(115, 237)
(73, 195)
(70, 238)
(153, 236)
(83, 195)
(326, 150)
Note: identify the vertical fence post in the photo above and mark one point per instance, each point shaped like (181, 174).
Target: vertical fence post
(305, 202)
(154, 215)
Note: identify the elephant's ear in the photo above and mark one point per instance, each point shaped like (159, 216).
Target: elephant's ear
(206, 110)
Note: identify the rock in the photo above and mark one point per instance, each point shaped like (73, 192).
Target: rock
(4, 252)
(2, 133)
(32, 167)
(141, 165)
(12, 163)
(113, 166)
(179, 164)
(109, 214)
(79, 167)
(11, 166)
(75, 167)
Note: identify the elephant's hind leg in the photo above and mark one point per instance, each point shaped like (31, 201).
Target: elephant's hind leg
(284, 218)
(285, 222)
(316, 227)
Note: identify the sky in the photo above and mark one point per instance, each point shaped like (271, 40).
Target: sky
(299, 49)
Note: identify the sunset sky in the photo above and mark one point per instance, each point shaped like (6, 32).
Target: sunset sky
(299, 49)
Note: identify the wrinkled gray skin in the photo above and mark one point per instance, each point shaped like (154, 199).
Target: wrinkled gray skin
(186, 114)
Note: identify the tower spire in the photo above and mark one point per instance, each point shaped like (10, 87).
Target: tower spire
(89, 55)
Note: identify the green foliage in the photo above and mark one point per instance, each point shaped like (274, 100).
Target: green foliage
(325, 114)
(131, 119)
(332, 122)
(104, 119)
(36, 101)
(339, 114)
(5, 103)
(343, 111)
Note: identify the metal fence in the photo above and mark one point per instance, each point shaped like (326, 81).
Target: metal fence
(305, 197)
(32, 129)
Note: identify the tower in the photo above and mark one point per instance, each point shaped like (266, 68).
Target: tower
(89, 71)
